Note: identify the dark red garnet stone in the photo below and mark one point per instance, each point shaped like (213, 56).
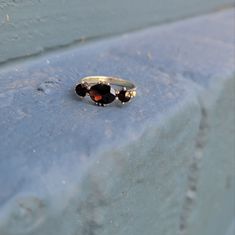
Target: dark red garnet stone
(122, 96)
(81, 90)
(102, 94)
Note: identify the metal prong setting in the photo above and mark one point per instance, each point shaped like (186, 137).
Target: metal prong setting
(131, 94)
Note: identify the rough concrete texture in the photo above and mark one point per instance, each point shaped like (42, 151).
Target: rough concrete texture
(161, 165)
(32, 26)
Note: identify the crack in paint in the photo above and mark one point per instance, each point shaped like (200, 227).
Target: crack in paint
(191, 192)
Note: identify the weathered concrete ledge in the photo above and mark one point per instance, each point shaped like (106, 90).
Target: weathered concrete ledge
(163, 164)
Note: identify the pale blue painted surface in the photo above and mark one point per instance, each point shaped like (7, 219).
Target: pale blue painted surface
(29, 27)
(69, 167)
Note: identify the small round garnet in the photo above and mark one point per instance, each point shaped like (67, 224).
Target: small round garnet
(81, 90)
(102, 94)
(122, 96)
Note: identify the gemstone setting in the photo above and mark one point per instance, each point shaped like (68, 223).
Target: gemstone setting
(102, 94)
(81, 90)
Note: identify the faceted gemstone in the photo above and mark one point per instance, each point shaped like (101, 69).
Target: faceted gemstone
(102, 94)
(81, 90)
(123, 97)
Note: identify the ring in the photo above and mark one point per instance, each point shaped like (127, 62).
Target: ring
(104, 90)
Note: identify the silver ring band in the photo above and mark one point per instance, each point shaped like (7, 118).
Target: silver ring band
(104, 89)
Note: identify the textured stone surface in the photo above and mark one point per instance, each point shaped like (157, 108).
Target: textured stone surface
(32, 26)
(160, 165)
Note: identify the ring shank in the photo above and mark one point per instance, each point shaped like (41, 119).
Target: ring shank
(112, 80)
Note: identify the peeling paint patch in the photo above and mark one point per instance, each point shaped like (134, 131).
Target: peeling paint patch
(48, 85)
(26, 215)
